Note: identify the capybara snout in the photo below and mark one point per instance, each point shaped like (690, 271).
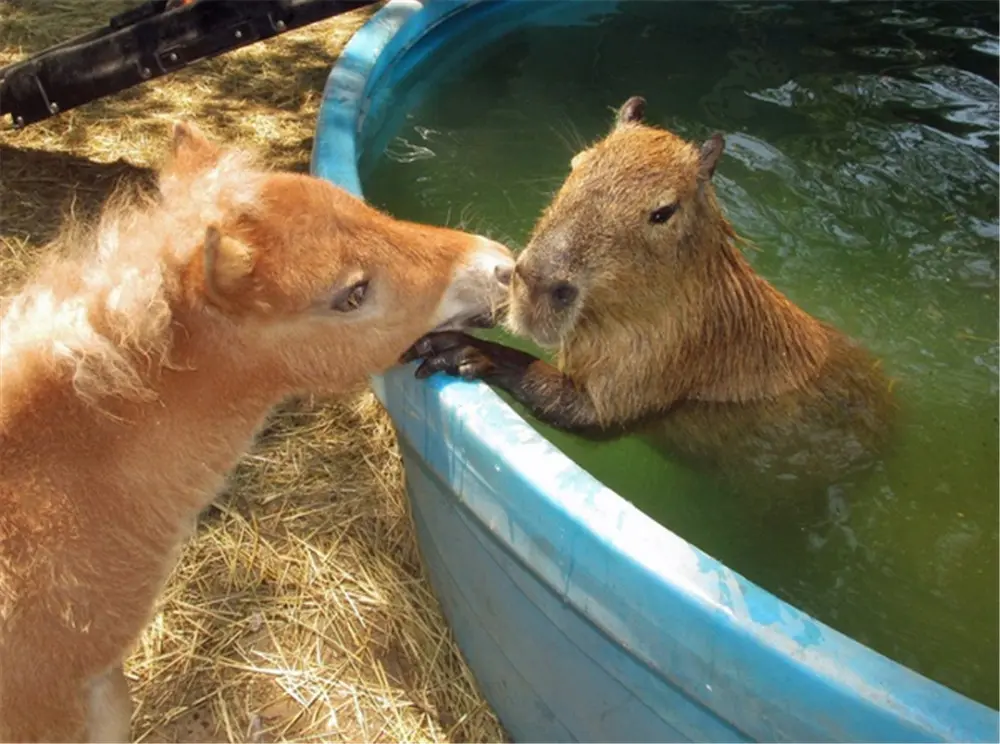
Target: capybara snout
(542, 302)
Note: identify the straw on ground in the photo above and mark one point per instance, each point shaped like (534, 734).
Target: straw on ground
(300, 610)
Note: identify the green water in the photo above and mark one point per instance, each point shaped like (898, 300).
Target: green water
(862, 159)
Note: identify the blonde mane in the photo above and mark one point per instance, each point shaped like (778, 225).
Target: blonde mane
(101, 308)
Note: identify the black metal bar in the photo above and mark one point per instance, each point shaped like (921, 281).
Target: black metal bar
(147, 42)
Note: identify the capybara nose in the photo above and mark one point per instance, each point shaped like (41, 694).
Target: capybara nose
(563, 293)
(504, 274)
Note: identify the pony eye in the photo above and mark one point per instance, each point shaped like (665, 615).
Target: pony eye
(351, 298)
(661, 215)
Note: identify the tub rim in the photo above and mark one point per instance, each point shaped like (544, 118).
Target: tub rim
(830, 657)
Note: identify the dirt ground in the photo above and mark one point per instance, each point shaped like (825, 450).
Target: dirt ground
(300, 610)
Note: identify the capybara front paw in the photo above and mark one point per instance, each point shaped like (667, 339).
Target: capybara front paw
(434, 344)
(454, 353)
(466, 362)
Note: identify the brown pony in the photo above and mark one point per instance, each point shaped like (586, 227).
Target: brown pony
(135, 372)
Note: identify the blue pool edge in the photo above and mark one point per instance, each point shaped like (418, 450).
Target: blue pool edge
(806, 680)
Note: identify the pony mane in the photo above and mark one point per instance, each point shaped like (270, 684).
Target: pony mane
(101, 307)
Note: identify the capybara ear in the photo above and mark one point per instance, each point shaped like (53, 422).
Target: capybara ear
(631, 111)
(190, 150)
(708, 158)
(228, 265)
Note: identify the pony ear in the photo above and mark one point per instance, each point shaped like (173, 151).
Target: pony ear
(190, 150)
(631, 112)
(708, 157)
(228, 264)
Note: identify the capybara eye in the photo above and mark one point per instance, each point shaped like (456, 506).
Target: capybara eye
(351, 298)
(563, 293)
(661, 215)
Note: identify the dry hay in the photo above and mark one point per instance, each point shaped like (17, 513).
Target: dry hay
(300, 610)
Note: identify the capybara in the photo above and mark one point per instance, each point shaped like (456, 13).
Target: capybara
(634, 276)
(136, 370)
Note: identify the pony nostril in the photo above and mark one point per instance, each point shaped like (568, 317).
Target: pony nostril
(504, 274)
(563, 294)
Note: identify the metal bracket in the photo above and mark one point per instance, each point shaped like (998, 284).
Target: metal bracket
(146, 42)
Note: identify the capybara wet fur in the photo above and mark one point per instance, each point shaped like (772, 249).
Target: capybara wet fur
(634, 277)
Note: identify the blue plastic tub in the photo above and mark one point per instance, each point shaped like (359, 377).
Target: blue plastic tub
(583, 619)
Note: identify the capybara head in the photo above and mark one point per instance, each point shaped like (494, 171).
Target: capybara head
(313, 276)
(623, 231)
